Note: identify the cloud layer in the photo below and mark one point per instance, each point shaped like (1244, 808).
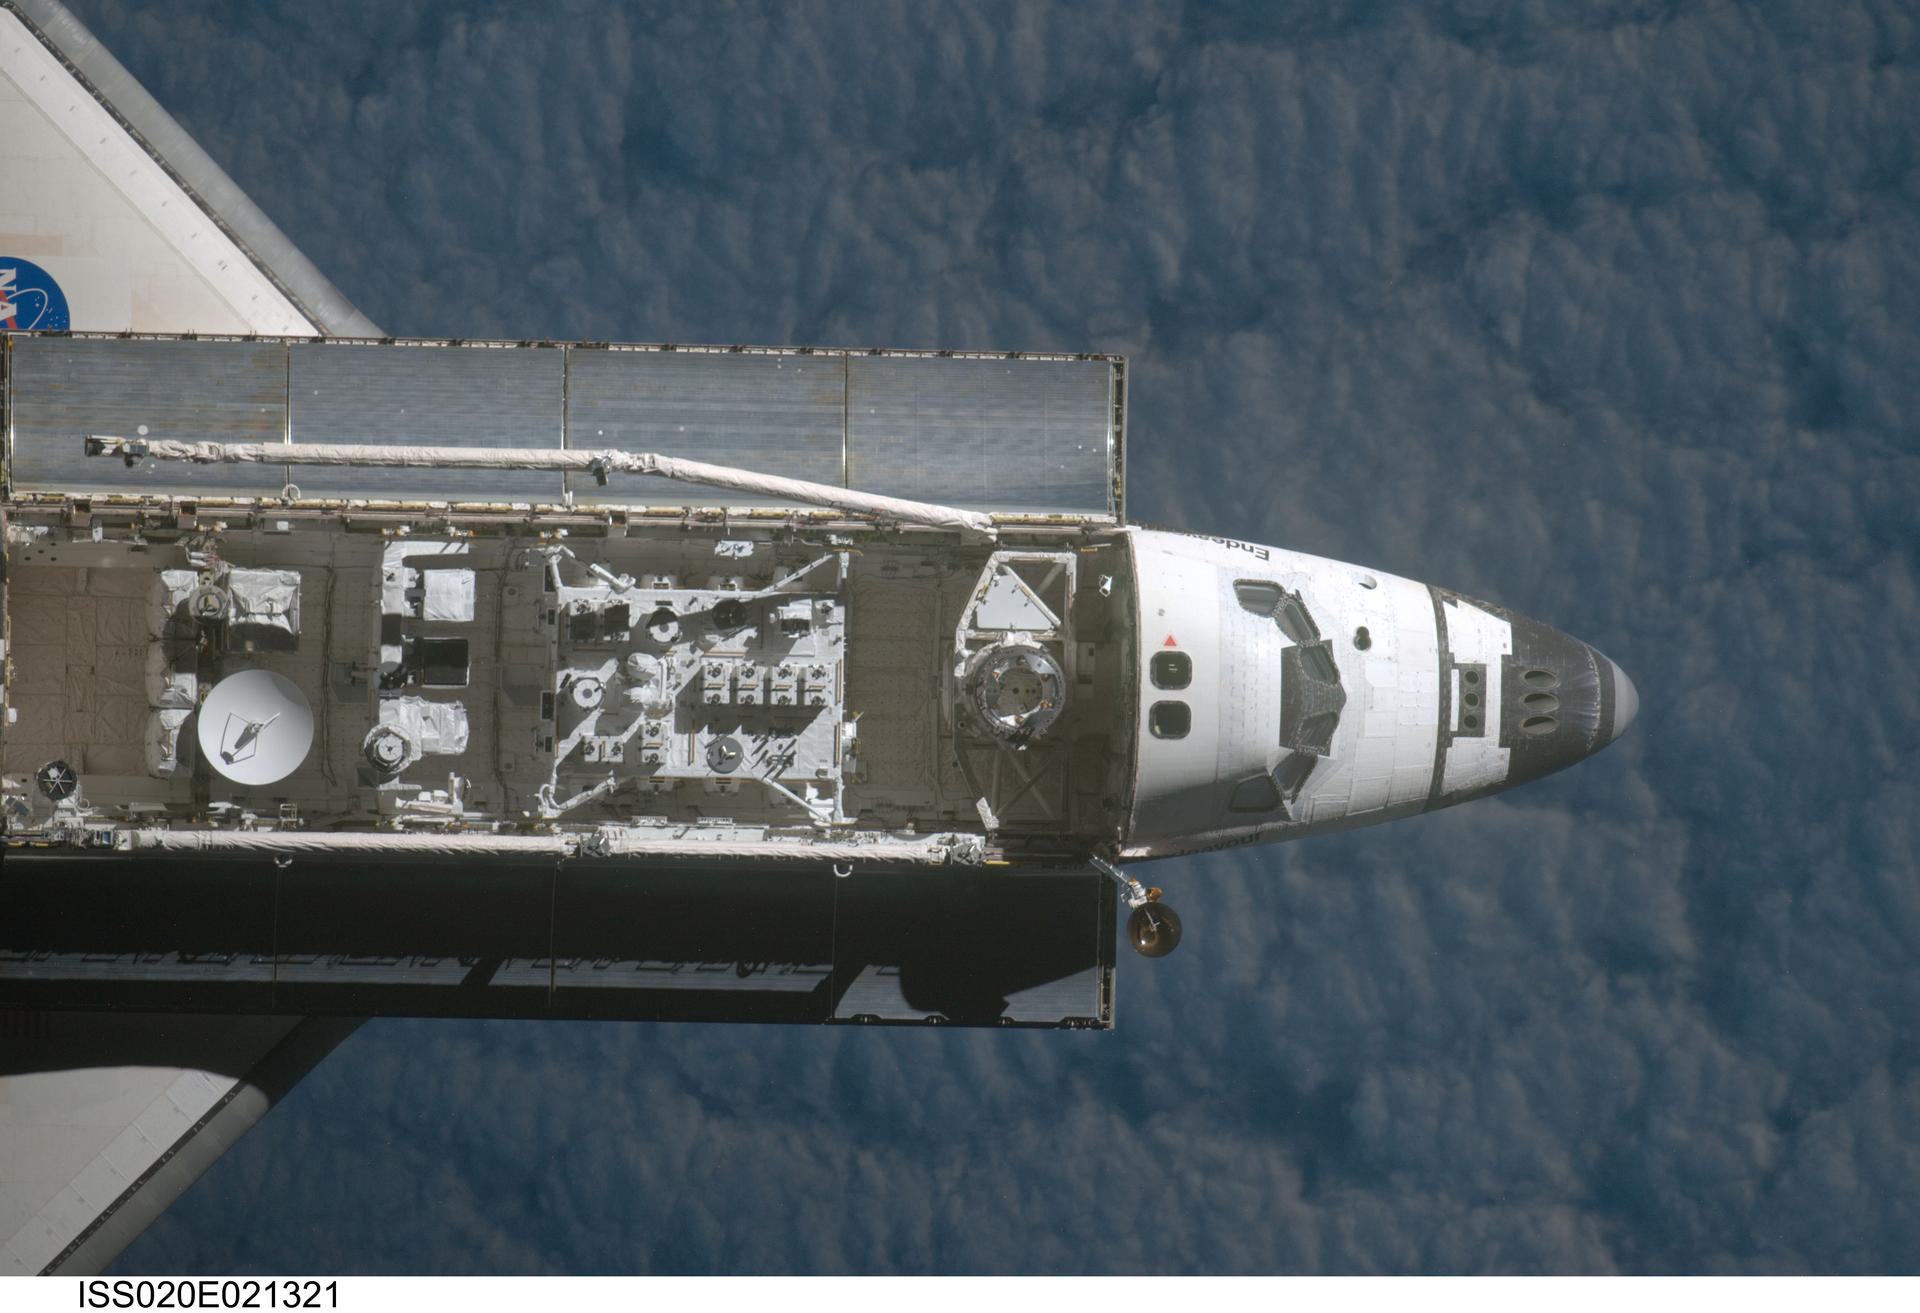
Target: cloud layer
(1603, 312)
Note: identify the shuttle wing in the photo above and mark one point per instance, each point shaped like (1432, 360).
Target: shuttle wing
(113, 220)
(105, 1118)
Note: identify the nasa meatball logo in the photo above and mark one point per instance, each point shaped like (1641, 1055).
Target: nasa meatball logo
(30, 301)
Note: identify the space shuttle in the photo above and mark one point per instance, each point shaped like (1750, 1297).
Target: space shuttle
(289, 599)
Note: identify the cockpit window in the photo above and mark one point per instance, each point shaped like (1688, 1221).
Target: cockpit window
(1319, 662)
(1257, 595)
(1294, 621)
(1311, 697)
(1256, 793)
(1263, 597)
(1171, 669)
(1170, 720)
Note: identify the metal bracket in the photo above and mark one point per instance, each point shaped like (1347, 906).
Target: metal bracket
(1135, 893)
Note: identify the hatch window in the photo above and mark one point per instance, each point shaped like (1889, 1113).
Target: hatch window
(1170, 720)
(1172, 669)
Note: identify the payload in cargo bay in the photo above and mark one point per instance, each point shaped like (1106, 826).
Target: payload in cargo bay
(755, 608)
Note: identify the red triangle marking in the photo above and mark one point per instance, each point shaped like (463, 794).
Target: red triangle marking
(1169, 642)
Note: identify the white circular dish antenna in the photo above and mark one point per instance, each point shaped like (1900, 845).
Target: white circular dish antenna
(256, 727)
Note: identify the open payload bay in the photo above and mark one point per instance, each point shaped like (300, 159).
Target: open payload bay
(638, 692)
(419, 597)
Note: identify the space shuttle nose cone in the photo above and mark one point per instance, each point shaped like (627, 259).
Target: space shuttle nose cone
(1626, 699)
(1561, 701)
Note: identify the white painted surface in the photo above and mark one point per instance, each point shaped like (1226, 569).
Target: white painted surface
(1179, 611)
(72, 1142)
(1474, 635)
(130, 249)
(1381, 760)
